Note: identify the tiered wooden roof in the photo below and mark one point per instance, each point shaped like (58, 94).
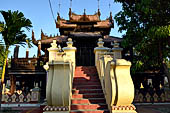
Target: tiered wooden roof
(78, 26)
(85, 23)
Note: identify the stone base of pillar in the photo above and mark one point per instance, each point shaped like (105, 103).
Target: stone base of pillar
(54, 109)
(124, 109)
(56, 112)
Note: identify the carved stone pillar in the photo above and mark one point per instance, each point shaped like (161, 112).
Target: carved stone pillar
(119, 87)
(59, 82)
(99, 50)
(117, 51)
(70, 51)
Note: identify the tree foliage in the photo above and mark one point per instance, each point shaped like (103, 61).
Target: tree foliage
(147, 26)
(13, 32)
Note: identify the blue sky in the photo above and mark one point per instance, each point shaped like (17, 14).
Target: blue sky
(38, 11)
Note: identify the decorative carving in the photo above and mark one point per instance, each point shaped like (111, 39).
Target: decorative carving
(124, 108)
(148, 97)
(54, 45)
(69, 43)
(100, 42)
(155, 97)
(54, 108)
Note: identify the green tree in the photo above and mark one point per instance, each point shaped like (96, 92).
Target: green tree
(2, 55)
(146, 23)
(13, 32)
(147, 26)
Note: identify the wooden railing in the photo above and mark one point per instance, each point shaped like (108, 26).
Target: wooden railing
(27, 63)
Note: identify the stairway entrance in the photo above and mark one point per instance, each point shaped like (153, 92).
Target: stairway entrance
(87, 92)
(85, 51)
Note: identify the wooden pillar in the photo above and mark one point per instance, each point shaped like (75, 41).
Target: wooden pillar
(16, 51)
(27, 53)
(13, 84)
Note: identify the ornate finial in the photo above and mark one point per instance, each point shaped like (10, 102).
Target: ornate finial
(41, 31)
(58, 16)
(70, 43)
(70, 13)
(59, 6)
(84, 11)
(69, 40)
(116, 44)
(99, 12)
(33, 38)
(70, 3)
(42, 34)
(54, 45)
(109, 6)
(100, 42)
(111, 16)
(98, 4)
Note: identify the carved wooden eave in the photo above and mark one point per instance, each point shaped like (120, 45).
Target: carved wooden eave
(49, 40)
(104, 24)
(86, 34)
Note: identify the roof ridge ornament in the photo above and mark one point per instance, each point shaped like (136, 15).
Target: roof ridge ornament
(84, 11)
(42, 34)
(71, 3)
(58, 16)
(98, 4)
(70, 12)
(33, 36)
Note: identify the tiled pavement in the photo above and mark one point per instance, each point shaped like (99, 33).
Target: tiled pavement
(140, 109)
(153, 108)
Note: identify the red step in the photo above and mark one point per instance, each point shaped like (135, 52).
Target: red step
(87, 92)
(80, 80)
(87, 87)
(95, 106)
(89, 111)
(85, 75)
(99, 95)
(81, 91)
(87, 83)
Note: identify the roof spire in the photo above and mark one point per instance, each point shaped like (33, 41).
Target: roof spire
(109, 7)
(70, 3)
(84, 11)
(59, 6)
(70, 12)
(98, 4)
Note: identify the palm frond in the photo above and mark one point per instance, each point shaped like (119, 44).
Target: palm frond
(13, 32)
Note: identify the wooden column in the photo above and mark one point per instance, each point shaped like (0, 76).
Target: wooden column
(13, 84)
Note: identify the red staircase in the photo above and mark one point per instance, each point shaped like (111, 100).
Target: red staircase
(87, 95)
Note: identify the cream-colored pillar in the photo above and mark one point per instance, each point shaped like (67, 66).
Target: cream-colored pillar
(117, 51)
(70, 51)
(100, 50)
(119, 87)
(59, 86)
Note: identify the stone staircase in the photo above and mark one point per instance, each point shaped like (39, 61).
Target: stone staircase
(87, 92)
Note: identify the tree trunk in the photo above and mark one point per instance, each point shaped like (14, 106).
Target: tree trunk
(3, 74)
